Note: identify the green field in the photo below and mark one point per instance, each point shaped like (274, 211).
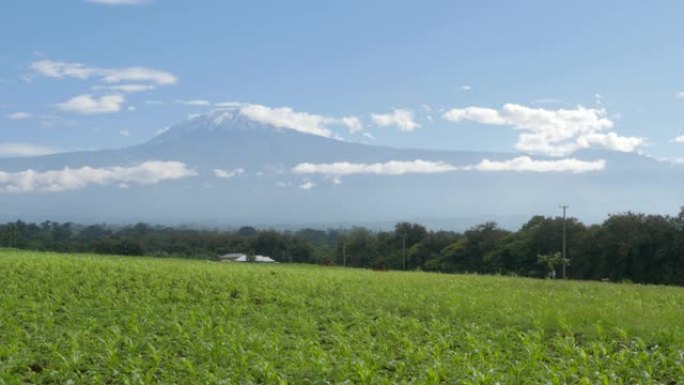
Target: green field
(91, 319)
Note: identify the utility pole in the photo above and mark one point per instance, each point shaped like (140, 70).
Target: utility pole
(403, 248)
(564, 207)
(344, 253)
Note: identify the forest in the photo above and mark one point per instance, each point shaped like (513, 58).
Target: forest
(631, 247)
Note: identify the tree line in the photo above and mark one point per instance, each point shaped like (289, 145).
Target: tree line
(626, 247)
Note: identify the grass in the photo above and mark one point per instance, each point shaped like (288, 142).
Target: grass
(114, 320)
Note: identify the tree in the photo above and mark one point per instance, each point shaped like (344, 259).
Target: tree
(480, 243)
(427, 253)
(517, 253)
(268, 242)
(247, 231)
(119, 246)
(413, 232)
(551, 261)
(360, 245)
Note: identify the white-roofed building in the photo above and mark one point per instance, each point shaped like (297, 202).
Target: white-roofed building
(239, 257)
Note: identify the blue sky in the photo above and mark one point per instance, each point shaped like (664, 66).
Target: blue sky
(407, 63)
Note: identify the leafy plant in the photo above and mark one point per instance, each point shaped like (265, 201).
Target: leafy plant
(125, 320)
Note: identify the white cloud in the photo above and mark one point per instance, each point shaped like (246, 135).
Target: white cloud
(368, 135)
(598, 98)
(150, 172)
(162, 130)
(124, 133)
(352, 123)
(611, 141)
(127, 88)
(527, 164)
(88, 105)
(229, 104)
(394, 167)
(466, 87)
(118, 2)
(402, 119)
(227, 174)
(59, 70)
(336, 170)
(553, 132)
(672, 160)
(24, 149)
(285, 117)
(307, 185)
(19, 116)
(139, 74)
(679, 139)
(477, 114)
(680, 95)
(196, 102)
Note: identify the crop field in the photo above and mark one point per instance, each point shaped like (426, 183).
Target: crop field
(116, 320)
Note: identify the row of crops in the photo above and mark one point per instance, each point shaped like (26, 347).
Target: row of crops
(116, 320)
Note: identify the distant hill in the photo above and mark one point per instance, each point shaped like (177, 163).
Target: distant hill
(242, 174)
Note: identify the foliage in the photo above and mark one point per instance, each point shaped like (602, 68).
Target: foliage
(551, 261)
(635, 247)
(122, 320)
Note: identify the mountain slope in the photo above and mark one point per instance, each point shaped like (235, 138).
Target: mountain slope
(263, 190)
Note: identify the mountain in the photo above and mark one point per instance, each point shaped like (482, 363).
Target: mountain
(260, 188)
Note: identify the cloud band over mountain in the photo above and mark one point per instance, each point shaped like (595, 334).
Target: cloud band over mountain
(146, 173)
